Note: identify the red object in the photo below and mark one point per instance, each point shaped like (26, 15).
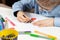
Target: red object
(12, 28)
(10, 21)
(33, 19)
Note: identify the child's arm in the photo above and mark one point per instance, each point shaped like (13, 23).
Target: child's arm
(18, 8)
(48, 22)
(20, 5)
(45, 23)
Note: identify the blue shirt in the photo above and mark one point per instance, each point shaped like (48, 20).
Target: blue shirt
(54, 13)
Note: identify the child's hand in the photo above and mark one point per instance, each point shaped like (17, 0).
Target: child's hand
(46, 23)
(22, 17)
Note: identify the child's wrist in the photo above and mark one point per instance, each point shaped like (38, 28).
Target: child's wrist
(52, 19)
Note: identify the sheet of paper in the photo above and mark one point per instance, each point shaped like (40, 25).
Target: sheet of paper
(5, 12)
(26, 26)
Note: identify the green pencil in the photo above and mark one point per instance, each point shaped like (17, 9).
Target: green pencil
(1, 18)
(34, 35)
(37, 36)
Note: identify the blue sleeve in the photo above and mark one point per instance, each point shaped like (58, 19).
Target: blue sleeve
(18, 6)
(57, 21)
(56, 13)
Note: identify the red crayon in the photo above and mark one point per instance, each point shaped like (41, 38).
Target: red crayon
(33, 19)
(10, 21)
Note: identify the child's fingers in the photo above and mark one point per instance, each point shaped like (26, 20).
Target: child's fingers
(39, 24)
(36, 23)
(26, 18)
(42, 25)
(20, 19)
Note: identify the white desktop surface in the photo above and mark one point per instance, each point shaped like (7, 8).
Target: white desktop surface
(7, 12)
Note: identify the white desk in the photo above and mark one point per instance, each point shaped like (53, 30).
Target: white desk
(5, 12)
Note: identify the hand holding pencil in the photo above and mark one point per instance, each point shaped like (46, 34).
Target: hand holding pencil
(22, 17)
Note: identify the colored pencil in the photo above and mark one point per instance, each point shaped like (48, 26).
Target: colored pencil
(47, 35)
(10, 21)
